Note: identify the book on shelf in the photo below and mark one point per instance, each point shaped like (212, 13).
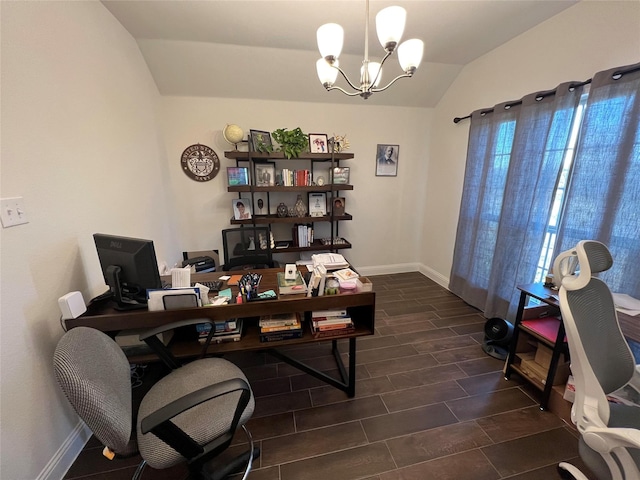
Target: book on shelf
(278, 319)
(315, 333)
(287, 287)
(340, 312)
(224, 331)
(278, 336)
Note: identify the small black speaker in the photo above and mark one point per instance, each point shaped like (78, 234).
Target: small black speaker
(497, 336)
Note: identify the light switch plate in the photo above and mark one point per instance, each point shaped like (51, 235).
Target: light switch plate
(12, 212)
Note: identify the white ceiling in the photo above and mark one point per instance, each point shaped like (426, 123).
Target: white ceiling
(267, 49)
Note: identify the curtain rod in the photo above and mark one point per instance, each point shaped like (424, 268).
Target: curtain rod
(617, 73)
(519, 102)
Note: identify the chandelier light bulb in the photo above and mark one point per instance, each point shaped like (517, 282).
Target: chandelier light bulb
(330, 40)
(326, 73)
(390, 24)
(374, 68)
(410, 55)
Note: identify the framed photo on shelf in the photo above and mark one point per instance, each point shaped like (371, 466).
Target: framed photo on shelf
(317, 204)
(318, 143)
(238, 176)
(337, 206)
(265, 174)
(241, 208)
(387, 160)
(258, 138)
(340, 175)
(260, 204)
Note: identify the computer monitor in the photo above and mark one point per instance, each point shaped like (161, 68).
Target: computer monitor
(129, 267)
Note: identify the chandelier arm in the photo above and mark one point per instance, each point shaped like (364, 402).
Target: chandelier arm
(344, 75)
(352, 94)
(373, 82)
(404, 75)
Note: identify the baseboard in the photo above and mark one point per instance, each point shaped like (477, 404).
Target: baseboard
(388, 269)
(435, 276)
(404, 268)
(62, 460)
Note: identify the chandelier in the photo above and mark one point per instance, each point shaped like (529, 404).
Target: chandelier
(390, 23)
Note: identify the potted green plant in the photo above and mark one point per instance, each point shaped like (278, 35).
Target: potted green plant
(292, 142)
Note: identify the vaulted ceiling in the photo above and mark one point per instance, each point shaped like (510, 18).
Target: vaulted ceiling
(267, 49)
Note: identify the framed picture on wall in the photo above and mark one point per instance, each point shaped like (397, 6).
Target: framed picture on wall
(387, 160)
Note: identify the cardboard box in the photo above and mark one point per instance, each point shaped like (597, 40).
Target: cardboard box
(538, 372)
(363, 284)
(570, 390)
(544, 354)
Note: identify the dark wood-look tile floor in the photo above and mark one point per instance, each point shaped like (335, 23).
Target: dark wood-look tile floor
(429, 404)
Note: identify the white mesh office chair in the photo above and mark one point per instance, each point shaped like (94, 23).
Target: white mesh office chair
(601, 363)
(189, 416)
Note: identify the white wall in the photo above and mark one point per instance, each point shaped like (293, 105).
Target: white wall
(574, 45)
(386, 211)
(81, 144)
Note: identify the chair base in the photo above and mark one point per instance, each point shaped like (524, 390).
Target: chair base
(569, 472)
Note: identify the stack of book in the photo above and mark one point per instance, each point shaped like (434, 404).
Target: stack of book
(225, 331)
(283, 326)
(331, 323)
(289, 287)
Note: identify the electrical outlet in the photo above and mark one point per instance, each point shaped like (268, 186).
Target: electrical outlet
(12, 212)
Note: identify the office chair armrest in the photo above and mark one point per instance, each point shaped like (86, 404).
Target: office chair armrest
(604, 440)
(160, 349)
(192, 399)
(635, 379)
(159, 422)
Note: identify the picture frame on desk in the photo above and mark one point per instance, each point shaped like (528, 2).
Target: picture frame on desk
(237, 176)
(241, 208)
(317, 204)
(265, 174)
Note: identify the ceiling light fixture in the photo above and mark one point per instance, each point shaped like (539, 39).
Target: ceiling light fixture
(390, 23)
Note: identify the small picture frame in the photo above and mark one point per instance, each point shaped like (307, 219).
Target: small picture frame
(317, 204)
(387, 160)
(258, 138)
(260, 205)
(265, 174)
(241, 209)
(337, 206)
(318, 143)
(237, 176)
(340, 176)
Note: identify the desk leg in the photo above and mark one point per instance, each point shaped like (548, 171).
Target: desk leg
(348, 379)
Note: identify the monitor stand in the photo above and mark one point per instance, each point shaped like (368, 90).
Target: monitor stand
(122, 302)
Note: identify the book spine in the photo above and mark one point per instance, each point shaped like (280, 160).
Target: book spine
(333, 333)
(281, 328)
(274, 337)
(329, 313)
(335, 326)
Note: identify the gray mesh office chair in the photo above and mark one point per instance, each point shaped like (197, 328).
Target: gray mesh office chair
(601, 363)
(190, 415)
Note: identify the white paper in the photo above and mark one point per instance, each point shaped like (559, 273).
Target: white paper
(181, 277)
(626, 304)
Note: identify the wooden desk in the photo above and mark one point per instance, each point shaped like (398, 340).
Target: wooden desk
(361, 307)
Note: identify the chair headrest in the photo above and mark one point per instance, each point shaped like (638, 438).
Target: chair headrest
(573, 268)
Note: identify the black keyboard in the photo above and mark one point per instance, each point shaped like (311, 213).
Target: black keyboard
(215, 285)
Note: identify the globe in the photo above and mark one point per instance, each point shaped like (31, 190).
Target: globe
(232, 134)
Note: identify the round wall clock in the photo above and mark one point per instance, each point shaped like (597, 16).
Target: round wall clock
(200, 163)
